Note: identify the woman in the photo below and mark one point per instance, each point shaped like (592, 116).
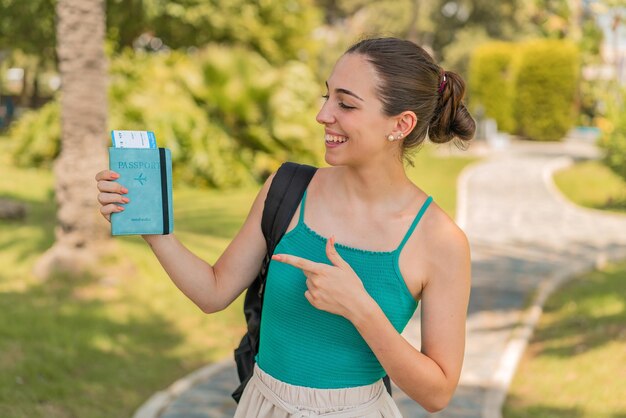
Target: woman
(364, 246)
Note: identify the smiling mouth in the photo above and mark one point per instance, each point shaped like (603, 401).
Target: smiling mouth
(334, 139)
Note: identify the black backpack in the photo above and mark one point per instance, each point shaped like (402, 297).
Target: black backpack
(283, 198)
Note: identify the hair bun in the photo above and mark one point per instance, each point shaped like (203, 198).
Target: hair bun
(451, 118)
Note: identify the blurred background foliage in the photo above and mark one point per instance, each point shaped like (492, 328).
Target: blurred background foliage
(232, 86)
(614, 136)
(528, 87)
(229, 117)
(492, 87)
(545, 85)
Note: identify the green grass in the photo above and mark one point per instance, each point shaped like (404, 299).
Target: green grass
(593, 185)
(437, 176)
(575, 366)
(100, 346)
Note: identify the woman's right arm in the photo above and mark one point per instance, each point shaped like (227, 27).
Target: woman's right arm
(211, 288)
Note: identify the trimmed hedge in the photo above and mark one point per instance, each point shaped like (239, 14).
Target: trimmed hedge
(491, 83)
(545, 85)
(229, 117)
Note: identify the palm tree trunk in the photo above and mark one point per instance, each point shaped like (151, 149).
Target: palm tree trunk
(82, 64)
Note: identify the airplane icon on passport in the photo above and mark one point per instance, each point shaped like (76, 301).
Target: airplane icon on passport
(141, 178)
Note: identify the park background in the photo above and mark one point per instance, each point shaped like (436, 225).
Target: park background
(91, 327)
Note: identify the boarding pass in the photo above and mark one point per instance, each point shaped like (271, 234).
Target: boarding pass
(133, 139)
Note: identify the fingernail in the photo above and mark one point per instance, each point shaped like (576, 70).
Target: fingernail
(276, 257)
(120, 208)
(115, 175)
(124, 190)
(125, 200)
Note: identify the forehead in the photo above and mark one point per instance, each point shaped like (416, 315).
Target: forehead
(355, 73)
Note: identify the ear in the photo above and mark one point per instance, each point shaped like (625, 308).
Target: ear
(405, 123)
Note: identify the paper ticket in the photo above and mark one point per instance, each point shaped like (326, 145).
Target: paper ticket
(133, 139)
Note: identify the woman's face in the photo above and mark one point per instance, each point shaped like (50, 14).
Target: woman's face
(355, 126)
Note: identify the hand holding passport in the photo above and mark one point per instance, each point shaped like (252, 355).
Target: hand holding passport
(146, 171)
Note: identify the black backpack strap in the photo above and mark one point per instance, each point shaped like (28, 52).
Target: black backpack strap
(283, 197)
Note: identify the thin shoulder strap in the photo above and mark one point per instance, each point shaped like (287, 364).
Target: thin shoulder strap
(302, 205)
(415, 222)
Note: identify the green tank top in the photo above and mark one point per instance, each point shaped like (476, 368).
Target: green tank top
(304, 346)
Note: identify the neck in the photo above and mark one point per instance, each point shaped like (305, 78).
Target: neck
(374, 183)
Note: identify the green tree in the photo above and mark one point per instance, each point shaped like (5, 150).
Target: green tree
(18, 32)
(554, 19)
(278, 29)
(347, 21)
(457, 55)
(499, 19)
(29, 27)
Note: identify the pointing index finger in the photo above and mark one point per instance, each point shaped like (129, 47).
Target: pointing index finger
(299, 262)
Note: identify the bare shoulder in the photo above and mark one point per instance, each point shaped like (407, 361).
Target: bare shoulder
(448, 248)
(443, 234)
(437, 251)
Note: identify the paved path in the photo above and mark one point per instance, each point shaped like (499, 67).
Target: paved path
(526, 239)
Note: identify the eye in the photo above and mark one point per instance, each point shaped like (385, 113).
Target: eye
(340, 104)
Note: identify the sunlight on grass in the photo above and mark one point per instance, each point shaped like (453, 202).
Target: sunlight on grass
(575, 365)
(593, 185)
(100, 346)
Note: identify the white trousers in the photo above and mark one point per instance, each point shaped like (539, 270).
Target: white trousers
(267, 397)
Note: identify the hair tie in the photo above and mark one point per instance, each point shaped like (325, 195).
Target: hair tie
(444, 80)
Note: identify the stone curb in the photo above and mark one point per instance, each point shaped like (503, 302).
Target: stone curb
(498, 389)
(548, 175)
(153, 407)
(462, 193)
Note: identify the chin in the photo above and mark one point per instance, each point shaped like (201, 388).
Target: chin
(333, 161)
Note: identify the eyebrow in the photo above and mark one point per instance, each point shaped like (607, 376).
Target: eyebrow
(345, 91)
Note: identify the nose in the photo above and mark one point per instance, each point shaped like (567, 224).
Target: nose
(325, 116)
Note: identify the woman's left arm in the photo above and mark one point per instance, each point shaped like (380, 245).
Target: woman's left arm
(429, 376)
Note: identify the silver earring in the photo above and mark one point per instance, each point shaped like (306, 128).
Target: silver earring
(390, 138)
(400, 135)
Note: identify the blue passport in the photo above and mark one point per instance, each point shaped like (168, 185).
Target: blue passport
(147, 174)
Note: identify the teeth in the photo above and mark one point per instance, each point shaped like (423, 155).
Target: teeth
(337, 139)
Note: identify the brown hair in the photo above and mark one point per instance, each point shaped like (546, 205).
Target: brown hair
(411, 80)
